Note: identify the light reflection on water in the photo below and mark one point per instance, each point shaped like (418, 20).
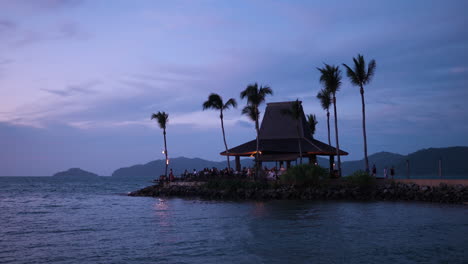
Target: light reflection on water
(45, 221)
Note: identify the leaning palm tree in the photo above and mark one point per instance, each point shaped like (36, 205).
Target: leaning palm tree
(361, 76)
(255, 96)
(163, 119)
(325, 101)
(331, 79)
(312, 123)
(216, 102)
(296, 113)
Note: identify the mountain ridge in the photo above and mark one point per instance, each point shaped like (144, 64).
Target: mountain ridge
(454, 160)
(422, 162)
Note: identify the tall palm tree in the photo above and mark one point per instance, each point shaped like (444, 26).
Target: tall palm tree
(326, 101)
(296, 113)
(312, 122)
(216, 102)
(163, 119)
(255, 96)
(361, 76)
(331, 79)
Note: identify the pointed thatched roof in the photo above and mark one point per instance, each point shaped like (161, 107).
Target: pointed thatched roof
(279, 138)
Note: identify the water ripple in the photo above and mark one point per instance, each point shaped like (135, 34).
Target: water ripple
(48, 221)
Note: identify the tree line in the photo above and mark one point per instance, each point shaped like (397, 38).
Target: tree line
(255, 95)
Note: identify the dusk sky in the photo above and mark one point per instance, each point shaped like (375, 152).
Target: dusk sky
(80, 79)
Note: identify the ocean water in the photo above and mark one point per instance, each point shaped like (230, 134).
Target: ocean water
(46, 220)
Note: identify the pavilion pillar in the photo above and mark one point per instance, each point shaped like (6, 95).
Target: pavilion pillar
(288, 164)
(281, 164)
(238, 164)
(332, 160)
(312, 159)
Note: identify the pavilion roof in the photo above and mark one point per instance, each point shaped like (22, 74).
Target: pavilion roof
(284, 146)
(278, 136)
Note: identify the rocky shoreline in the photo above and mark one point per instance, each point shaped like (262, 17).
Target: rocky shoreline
(394, 191)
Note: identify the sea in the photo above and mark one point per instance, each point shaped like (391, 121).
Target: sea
(50, 220)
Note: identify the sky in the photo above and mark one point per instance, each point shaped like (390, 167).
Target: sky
(79, 79)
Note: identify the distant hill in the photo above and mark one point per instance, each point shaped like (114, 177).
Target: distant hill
(380, 159)
(425, 161)
(75, 173)
(179, 165)
(421, 163)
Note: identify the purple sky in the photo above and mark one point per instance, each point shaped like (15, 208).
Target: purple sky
(80, 79)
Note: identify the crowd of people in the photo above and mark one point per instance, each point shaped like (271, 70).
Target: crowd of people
(215, 173)
(245, 173)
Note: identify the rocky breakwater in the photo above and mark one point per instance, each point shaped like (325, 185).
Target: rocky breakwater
(379, 192)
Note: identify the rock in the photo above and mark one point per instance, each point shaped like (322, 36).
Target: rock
(395, 191)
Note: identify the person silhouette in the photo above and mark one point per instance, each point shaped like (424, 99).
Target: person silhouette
(171, 175)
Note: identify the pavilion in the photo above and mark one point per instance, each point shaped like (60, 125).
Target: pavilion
(279, 137)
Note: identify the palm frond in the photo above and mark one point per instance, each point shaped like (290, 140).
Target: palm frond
(370, 70)
(330, 77)
(312, 122)
(265, 90)
(325, 98)
(250, 90)
(162, 118)
(352, 75)
(359, 75)
(255, 95)
(361, 67)
(214, 102)
(252, 112)
(230, 103)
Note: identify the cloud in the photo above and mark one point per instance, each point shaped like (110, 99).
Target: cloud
(200, 120)
(18, 33)
(86, 125)
(27, 7)
(84, 88)
(62, 31)
(6, 25)
(22, 122)
(245, 124)
(458, 70)
(5, 61)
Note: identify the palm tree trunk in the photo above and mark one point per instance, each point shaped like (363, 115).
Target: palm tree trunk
(328, 126)
(336, 136)
(257, 157)
(364, 128)
(225, 144)
(299, 142)
(165, 151)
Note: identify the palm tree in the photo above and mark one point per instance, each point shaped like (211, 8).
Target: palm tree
(163, 119)
(360, 77)
(331, 79)
(216, 102)
(255, 96)
(312, 122)
(296, 113)
(326, 101)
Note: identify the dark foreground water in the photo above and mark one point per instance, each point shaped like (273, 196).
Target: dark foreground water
(45, 220)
